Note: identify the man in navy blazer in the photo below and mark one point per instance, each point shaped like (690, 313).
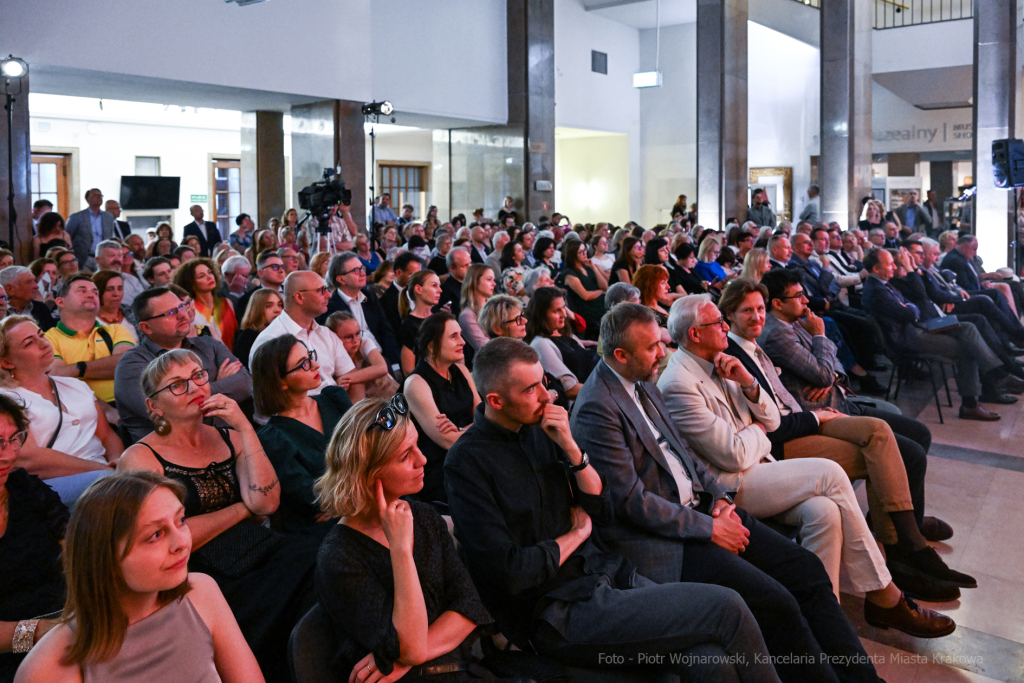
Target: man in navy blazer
(207, 231)
(348, 274)
(89, 227)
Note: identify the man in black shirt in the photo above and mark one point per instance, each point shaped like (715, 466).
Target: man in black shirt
(523, 497)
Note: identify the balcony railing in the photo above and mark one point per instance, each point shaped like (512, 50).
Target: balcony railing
(898, 13)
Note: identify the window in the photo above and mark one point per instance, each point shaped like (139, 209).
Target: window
(406, 185)
(227, 193)
(50, 180)
(147, 165)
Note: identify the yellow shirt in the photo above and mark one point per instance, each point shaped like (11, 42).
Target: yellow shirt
(71, 347)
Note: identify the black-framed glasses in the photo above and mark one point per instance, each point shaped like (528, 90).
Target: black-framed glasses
(306, 364)
(174, 311)
(387, 417)
(180, 386)
(720, 322)
(17, 439)
(799, 295)
(274, 266)
(354, 270)
(319, 290)
(518, 320)
(3, 298)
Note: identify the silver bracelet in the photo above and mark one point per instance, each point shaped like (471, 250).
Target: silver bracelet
(24, 636)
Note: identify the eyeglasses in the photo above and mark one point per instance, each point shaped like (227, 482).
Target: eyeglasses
(3, 298)
(180, 386)
(17, 439)
(274, 266)
(518, 320)
(319, 290)
(387, 417)
(720, 322)
(174, 311)
(306, 364)
(798, 295)
(357, 269)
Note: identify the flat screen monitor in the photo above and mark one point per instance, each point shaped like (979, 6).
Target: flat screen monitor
(149, 192)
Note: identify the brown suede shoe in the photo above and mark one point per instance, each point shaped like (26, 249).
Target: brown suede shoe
(909, 618)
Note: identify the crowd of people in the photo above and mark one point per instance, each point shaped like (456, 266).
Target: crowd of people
(644, 441)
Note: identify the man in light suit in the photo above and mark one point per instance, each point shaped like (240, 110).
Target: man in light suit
(676, 523)
(726, 415)
(207, 231)
(89, 227)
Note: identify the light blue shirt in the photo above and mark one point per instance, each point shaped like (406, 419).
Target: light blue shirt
(97, 227)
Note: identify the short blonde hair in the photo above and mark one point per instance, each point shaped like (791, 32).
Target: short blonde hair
(355, 457)
(755, 261)
(161, 365)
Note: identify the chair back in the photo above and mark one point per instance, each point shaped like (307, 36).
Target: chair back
(311, 649)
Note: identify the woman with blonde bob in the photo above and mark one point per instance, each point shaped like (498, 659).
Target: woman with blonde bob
(388, 575)
(755, 264)
(132, 605)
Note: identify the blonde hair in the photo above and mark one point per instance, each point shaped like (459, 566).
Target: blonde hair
(161, 365)
(355, 457)
(705, 246)
(6, 325)
(754, 262)
(469, 286)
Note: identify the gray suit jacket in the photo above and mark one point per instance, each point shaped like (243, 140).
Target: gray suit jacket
(650, 521)
(79, 228)
(808, 361)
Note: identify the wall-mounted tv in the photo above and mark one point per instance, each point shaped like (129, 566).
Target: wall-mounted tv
(149, 192)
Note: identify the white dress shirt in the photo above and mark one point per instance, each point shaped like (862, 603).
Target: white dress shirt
(356, 307)
(330, 352)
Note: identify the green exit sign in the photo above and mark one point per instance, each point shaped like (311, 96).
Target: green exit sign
(197, 198)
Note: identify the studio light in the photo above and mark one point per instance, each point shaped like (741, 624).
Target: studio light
(13, 68)
(378, 109)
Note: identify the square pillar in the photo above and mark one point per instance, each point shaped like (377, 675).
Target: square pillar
(22, 169)
(262, 172)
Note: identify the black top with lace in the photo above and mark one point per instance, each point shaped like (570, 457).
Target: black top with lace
(207, 489)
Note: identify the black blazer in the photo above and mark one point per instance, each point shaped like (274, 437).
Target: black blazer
(376, 321)
(792, 426)
(965, 277)
(816, 287)
(389, 301)
(897, 317)
(451, 294)
(123, 229)
(209, 236)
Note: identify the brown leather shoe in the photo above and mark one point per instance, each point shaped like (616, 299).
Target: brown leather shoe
(979, 412)
(909, 618)
(934, 529)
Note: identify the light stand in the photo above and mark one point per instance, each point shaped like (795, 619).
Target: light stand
(12, 70)
(374, 110)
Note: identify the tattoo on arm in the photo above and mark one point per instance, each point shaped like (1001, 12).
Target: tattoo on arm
(263, 489)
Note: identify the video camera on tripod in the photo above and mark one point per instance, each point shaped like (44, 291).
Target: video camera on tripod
(321, 196)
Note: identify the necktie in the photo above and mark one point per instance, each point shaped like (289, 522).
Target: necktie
(666, 433)
(781, 392)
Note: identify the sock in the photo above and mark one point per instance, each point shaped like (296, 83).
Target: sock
(908, 534)
(969, 401)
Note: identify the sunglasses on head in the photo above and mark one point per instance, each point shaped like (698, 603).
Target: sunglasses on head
(387, 417)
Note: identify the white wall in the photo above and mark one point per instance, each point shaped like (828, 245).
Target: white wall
(899, 126)
(926, 46)
(590, 173)
(593, 101)
(413, 145)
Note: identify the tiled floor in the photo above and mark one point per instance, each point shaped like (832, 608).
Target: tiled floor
(975, 482)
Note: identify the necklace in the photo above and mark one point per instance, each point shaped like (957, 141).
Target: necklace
(117, 317)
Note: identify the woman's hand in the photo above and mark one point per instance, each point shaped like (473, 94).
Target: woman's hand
(227, 368)
(444, 425)
(366, 671)
(396, 521)
(226, 409)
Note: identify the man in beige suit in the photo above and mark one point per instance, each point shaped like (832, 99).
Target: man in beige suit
(715, 401)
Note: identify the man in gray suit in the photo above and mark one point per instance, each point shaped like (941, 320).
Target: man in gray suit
(89, 227)
(676, 523)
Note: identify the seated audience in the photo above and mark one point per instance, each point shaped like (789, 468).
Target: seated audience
(31, 543)
(236, 269)
(201, 279)
(755, 264)
(502, 316)
(158, 272)
(20, 285)
(113, 311)
(347, 274)
(631, 257)
(544, 253)
(264, 306)
(133, 608)
(296, 435)
(441, 397)
(652, 281)
(164, 324)
(536, 278)
(270, 275)
(230, 485)
(388, 576)
(417, 299)
(370, 259)
(708, 267)
(961, 261)
(383, 277)
(371, 378)
(526, 539)
(602, 257)
(512, 270)
(456, 263)
(676, 523)
(405, 265)
(549, 333)
(477, 287)
(686, 275)
(584, 286)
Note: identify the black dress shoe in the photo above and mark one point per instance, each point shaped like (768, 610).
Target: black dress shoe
(906, 616)
(922, 587)
(1008, 384)
(926, 561)
(869, 385)
(934, 529)
(998, 399)
(979, 413)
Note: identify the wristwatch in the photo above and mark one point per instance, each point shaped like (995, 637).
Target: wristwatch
(582, 466)
(753, 386)
(81, 368)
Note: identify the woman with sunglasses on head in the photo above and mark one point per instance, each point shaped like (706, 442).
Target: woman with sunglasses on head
(295, 437)
(32, 522)
(388, 576)
(133, 611)
(70, 442)
(441, 396)
(414, 305)
(230, 487)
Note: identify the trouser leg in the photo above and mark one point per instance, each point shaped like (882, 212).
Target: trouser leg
(949, 345)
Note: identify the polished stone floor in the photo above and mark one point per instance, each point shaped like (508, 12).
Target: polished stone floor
(976, 483)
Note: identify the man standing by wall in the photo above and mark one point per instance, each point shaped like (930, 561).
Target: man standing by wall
(89, 227)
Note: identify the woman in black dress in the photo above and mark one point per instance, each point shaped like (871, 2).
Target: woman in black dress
(266, 576)
(388, 576)
(549, 333)
(414, 303)
(585, 286)
(631, 256)
(32, 524)
(441, 396)
(50, 234)
(296, 435)
(544, 253)
(686, 275)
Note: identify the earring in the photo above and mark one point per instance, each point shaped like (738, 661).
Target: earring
(161, 426)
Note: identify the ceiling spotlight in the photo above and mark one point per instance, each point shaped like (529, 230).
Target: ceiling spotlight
(13, 68)
(378, 109)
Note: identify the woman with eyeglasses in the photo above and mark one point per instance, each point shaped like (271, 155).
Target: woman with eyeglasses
(414, 304)
(231, 487)
(388, 575)
(70, 442)
(263, 308)
(631, 256)
(708, 267)
(548, 331)
(32, 523)
(201, 278)
(295, 437)
(442, 397)
(585, 286)
(371, 378)
(502, 316)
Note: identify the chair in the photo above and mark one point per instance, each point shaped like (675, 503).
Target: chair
(311, 649)
(901, 364)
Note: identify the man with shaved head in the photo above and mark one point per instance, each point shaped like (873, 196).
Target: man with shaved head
(305, 298)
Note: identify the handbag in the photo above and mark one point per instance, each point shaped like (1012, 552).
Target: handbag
(60, 415)
(944, 324)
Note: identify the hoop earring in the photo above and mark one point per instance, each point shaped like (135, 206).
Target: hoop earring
(161, 426)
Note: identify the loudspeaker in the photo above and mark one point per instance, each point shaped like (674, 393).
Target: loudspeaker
(1008, 162)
